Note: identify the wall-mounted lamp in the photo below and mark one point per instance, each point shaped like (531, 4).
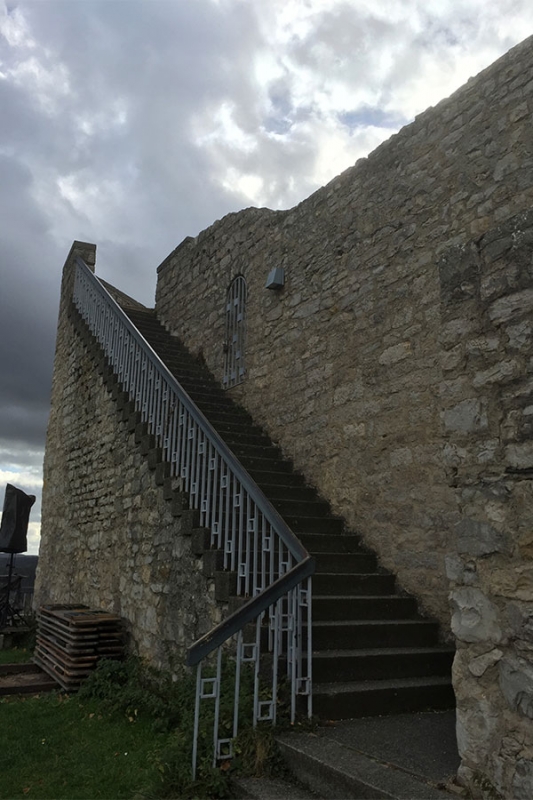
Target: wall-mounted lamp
(276, 278)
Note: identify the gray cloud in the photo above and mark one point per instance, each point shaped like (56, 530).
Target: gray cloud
(132, 124)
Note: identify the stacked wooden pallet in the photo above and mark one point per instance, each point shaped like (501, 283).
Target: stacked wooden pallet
(71, 639)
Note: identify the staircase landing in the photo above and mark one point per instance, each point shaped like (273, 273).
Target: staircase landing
(402, 757)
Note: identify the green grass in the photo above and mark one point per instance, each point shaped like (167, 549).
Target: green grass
(126, 734)
(15, 655)
(58, 747)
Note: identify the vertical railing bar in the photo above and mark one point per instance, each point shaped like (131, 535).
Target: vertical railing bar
(196, 719)
(256, 667)
(207, 479)
(248, 565)
(292, 633)
(237, 695)
(309, 647)
(275, 659)
(200, 443)
(217, 705)
(231, 530)
(257, 555)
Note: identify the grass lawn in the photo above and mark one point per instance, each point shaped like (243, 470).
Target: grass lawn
(54, 746)
(126, 734)
(15, 655)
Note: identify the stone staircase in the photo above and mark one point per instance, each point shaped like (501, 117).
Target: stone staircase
(373, 652)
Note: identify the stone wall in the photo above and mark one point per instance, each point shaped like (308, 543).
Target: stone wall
(395, 369)
(344, 364)
(109, 539)
(488, 420)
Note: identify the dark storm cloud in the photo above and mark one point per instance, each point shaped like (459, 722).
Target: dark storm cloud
(96, 144)
(112, 132)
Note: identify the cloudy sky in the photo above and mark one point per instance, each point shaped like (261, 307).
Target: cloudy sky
(135, 123)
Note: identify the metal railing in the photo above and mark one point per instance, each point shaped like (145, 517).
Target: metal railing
(273, 569)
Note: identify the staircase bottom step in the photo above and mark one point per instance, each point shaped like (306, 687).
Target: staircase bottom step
(269, 789)
(370, 698)
(333, 770)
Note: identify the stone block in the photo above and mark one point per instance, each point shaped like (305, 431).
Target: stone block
(225, 585)
(465, 417)
(503, 372)
(190, 518)
(511, 307)
(212, 562)
(480, 539)
(162, 472)
(126, 411)
(516, 681)
(520, 456)
(200, 541)
(479, 665)
(522, 786)
(474, 617)
(154, 456)
(122, 399)
(395, 353)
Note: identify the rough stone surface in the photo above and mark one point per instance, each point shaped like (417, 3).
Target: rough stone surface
(395, 368)
(109, 538)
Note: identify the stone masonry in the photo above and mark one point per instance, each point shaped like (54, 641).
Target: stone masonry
(395, 369)
(110, 539)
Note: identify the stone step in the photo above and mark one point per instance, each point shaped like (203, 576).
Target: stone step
(351, 700)
(292, 507)
(264, 478)
(253, 465)
(379, 663)
(324, 525)
(245, 451)
(296, 491)
(268, 788)
(341, 562)
(333, 770)
(233, 415)
(372, 654)
(370, 607)
(355, 634)
(325, 543)
(374, 583)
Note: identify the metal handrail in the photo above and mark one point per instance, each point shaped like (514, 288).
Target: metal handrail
(278, 523)
(241, 518)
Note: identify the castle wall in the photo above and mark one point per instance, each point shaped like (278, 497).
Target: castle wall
(109, 539)
(395, 369)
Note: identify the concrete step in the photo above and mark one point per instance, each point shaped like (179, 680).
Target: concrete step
(307, 524)
(355, 634)
(381, 663)
(374, 583)
(393, 606)
(342, 562)
(269, 789)
(296, 492)
(351, 699)
(331, 543)
(292, 507)
(335, 770)
(245, 451)
(265, 478)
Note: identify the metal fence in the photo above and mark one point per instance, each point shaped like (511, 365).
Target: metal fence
(273, 569)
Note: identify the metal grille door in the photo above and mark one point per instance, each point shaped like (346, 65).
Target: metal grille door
(234, 366)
